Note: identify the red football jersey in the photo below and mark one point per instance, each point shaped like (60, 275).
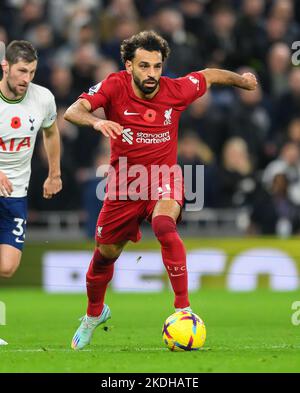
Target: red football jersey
(150, 126)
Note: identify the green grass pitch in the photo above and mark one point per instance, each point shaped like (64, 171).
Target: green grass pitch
(246, 332)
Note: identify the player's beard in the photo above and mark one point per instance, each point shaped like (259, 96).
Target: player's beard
(141, 84)
(14, 90)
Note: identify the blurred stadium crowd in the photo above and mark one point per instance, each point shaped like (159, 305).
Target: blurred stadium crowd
(249, 142)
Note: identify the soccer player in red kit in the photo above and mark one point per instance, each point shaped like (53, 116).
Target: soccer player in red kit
(142, 110)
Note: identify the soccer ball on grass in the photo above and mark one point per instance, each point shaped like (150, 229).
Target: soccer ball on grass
(184, 331)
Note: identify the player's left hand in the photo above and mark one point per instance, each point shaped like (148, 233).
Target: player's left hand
(52, 186)
(249, 82)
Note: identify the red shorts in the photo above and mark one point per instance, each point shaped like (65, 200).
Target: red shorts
(120, 220)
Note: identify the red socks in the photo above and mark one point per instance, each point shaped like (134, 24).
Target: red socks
(97, 278)
(101, 270)
(174, 257)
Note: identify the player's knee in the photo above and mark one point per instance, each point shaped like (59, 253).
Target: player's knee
(164, 228)
(7, 271)
(110, 251)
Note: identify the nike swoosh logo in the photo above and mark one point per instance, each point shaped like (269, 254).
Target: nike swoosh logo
(126, 113)
(176, 275)
(18, 240)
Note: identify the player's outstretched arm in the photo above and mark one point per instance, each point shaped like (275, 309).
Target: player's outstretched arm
(80, 114)
(245, 81)
(53, 183)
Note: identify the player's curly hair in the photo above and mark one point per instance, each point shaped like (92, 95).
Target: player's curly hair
(148, 40)
(20, 50)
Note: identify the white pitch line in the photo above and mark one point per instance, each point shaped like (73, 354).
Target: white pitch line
(86, 350)
(205, 349)
(44, 350)
(253, 347)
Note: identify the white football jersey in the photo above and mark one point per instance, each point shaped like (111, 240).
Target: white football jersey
(20, 121)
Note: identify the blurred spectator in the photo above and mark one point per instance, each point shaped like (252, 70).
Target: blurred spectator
(293, 132)
(61, 85)
(297, 11)
(147, 9)
(288, 163)
(84, 65)
(184, 56)
(92, 185)
(43, 40)
(274, 212)
(124, 29)
(288, 104)
(250, 119)
(75, 13)
(32, 11)
(278, 29)
(196, 21)
(249, 31)
(275, 80)
(220, 44)
(236, 177)
(114, 12)
(284, 10)
(67, 199)
(80, 17)
(208, 121)
(192, 152)
(8, 14)
(105, 67)
(89, 140)
(86, 145)
(86, 35)
(195, 18)
(69, 135)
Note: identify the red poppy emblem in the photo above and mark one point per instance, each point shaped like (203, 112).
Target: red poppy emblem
(150, 115)
(15, 122)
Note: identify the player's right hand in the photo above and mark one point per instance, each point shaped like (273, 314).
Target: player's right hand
(6, 187)
(250, 81)
(108, 128)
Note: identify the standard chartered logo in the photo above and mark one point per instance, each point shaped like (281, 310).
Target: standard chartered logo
(144, 137)
(2, 314)
(127, 136)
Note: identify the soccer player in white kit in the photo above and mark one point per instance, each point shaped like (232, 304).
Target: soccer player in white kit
(25, 108)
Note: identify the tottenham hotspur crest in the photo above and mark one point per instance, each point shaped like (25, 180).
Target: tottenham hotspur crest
(168, 119)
